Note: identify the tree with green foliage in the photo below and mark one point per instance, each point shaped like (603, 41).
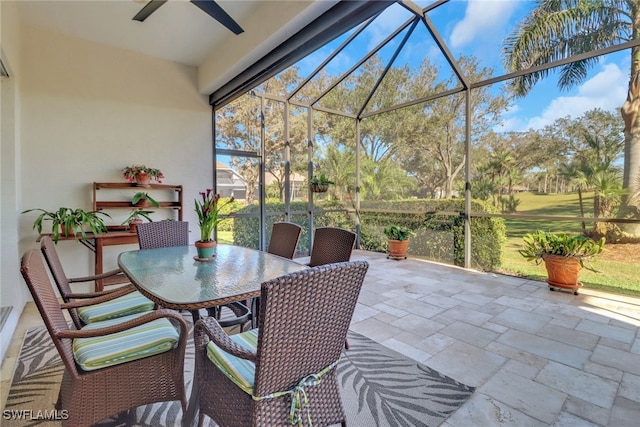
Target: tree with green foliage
(559, 29)
(239, 127)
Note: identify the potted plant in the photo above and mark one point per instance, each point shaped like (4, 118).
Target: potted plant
(563, 255)
(143, 200)
(142, 175)
(70, 222)
(398, 239)
(319, 183)
(208, 208)
(136, 217)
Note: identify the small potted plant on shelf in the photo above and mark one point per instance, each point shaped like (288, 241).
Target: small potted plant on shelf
(143, 200)
(398, 239)
(208, 207)
(563, 255)
(319, 183)
(136, 217)
(142, 175)
(70, 222)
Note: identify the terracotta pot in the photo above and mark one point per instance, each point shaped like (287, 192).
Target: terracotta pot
(205, 249)
(68, 231)
(562, 271)
(142, 203)
(133, 225)
(398, 249)
(143, 179)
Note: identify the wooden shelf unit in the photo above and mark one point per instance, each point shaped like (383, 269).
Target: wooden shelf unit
(174, 202)
(117, 234)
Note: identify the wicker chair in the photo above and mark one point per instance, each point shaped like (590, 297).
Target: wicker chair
(162, 234)
(330, 245)
(176, 233)
(284, 239)
(124, 300)
(296, 339)
(90, 396)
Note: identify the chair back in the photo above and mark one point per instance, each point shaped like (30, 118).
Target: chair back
(162, 234)
(284, 239)
(57, 271)
(330, 245)
(35, 275)
(303, 323)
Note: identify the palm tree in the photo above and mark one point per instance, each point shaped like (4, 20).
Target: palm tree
(559, 29)
(579, 179)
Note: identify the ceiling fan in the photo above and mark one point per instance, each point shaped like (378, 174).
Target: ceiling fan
(209, 6)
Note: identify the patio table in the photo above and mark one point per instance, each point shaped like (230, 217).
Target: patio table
(172, 278)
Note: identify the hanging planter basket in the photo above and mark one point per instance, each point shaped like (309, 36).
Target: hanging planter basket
(319, 188)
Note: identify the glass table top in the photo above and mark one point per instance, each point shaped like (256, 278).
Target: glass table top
(172, 275)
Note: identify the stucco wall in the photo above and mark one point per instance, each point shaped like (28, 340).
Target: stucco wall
(87, 110)
(12, 291)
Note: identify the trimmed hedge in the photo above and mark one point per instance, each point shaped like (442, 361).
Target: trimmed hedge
(438, 237)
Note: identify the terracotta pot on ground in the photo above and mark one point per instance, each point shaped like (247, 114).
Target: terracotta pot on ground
(562, 272)
(398, 249)
(205, 249)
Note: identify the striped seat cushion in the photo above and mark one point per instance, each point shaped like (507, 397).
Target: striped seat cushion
(145, 340)
(240, 371)
(125, 305)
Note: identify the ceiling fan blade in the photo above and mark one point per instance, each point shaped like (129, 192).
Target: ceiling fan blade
(148, 9)
(217, 13)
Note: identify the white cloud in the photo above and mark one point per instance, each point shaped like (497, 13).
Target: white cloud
(387, 23)
(482, 19)
(606, 90)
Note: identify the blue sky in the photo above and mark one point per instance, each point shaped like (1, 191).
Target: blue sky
(477, 27)
(486, 22)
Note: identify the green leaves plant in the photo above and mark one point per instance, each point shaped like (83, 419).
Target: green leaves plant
(395, 232)
(70, 219)
(539, 244)
(144, 196)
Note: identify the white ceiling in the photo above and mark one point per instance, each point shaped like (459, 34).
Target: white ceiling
(179, 31)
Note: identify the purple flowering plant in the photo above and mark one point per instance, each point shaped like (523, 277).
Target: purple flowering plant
(208, 207)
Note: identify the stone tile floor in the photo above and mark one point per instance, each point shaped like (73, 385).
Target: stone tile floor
(537, 358)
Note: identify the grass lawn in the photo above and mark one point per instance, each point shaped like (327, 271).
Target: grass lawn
(225, 237)
(618, 266)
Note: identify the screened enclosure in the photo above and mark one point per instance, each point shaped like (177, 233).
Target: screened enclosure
(417, 116)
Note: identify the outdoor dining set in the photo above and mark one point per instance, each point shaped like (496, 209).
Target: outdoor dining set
(268, 331)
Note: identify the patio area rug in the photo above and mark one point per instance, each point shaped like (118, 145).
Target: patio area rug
(380, 388)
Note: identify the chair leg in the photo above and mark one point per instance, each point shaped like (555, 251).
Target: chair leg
(59, 401)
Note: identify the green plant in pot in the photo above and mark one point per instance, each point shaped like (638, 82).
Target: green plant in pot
(564, 256)
(70, 222)
(136, 217)
(142, 175)
(398, 240)
(319, 183)
(143, 200)
(208, 207)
